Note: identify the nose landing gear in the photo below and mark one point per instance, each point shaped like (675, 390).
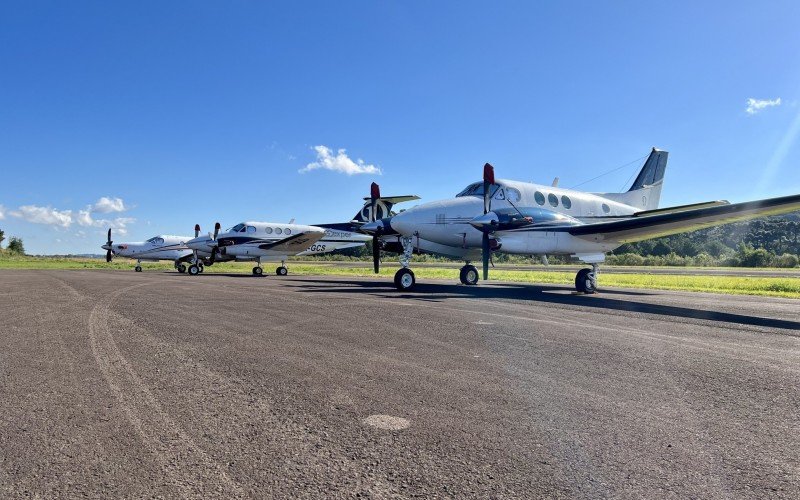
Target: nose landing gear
(404, 278)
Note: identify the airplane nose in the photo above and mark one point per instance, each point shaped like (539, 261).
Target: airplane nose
(372, 227)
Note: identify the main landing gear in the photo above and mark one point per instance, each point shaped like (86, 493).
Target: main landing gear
(181, 268)
(404, 279)
(195, 269)
(586, 279)
(282, 271)
(138, 267)
(258, 271)
(469, 274)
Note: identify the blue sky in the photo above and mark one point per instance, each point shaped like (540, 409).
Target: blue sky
(185, 112)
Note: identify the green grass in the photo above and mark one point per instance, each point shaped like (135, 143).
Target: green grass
(741, 285)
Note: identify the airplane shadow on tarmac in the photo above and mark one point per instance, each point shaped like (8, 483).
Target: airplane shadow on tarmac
(606, 299)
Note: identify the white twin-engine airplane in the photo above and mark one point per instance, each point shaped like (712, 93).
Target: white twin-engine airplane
(267, 241)
(532, 219)
(162, 247)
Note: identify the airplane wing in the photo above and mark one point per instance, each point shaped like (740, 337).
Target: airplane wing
(643, 227)
(395, 199)
(295, 243)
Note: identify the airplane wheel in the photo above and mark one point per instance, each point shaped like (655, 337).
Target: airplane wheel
(404, 279)
(282, 271)
(469, 275)
(181, 268)
(583, 281)
(257, 271)
(194, 270)
(138, 269)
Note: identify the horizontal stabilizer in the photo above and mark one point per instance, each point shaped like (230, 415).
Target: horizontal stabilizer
(395, 199)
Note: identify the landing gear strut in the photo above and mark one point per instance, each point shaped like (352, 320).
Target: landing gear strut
(586, 279)
(404, 278)
(138, 267)
(469, 274)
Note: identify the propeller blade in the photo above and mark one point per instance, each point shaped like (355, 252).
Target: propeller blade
(488, 180)
(216, 230)
(196, 230)
(374, 196)
(109, 237)
(108, 255)
(376, 253)
(486, 254)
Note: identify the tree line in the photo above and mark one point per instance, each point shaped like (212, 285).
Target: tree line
(15, 244)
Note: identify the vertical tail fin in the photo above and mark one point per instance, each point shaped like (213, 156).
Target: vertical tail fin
(645, 192)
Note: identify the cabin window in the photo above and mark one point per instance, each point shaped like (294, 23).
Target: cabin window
(606, 208)
(566, 202)
(268, 230)
(238, 228)
(278, 230)
(513, 195)
(251, 229)
(287, 231)
(553, 199)
(539, 197)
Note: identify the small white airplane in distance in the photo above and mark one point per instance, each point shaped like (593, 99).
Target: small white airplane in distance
(533, 219)
(271, 241)
(161, 247)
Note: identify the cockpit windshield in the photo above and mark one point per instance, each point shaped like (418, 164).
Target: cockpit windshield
(476, 189)
(238, 228)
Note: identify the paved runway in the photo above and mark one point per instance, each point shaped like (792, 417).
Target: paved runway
(127, 384)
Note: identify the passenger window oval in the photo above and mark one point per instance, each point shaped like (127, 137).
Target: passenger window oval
(606, 208)
(251, 229)
(287, 231)
(566, 202)
(539, 197)
(553, 199)
(278, 230)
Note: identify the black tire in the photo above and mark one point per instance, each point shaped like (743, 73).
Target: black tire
(193, 270)
(282, 271)
(181, 268)
(257, 271)
(469, 275)
(583, 282)
(138, 269)
(404, 279)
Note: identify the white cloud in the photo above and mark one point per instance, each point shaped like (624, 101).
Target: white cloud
(84, 218)
(2, 212)
(107, 205)
(43, 215)
(339, 163)
(756, 105)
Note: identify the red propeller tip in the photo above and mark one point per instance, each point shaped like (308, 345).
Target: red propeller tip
(488, 173)
(374, 191)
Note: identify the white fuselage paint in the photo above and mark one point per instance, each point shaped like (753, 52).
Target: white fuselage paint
(161, 247)
(244, 243)
(447, 222)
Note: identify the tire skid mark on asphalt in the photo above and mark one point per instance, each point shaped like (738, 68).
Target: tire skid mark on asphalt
(171, 446)
(303, 447)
